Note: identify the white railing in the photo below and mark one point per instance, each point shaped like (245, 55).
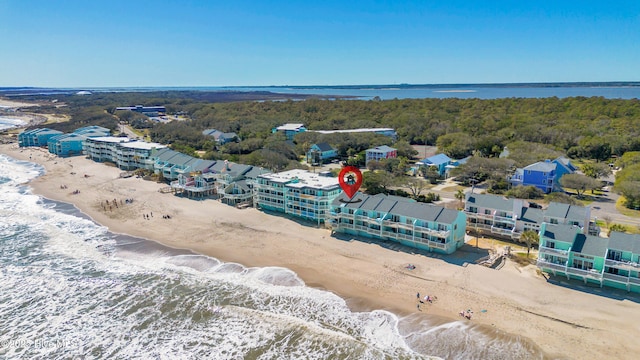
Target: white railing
(614, 277)
(557, 252)
(502, 231)
(438, 233)
(621, 264)
(634, 280)
(541, 263)
(593, 273)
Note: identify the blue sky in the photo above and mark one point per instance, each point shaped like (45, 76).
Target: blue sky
(69, 43)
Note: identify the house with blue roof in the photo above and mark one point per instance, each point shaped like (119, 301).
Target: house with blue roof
(545, 175)
(321, 153)
(438, 162)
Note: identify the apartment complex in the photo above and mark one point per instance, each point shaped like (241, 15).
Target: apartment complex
(614, 261)
(297, 192)
(419, 225)
(508, 217)
(127, 154)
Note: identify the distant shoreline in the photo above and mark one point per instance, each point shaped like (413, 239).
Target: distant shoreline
(587, 84)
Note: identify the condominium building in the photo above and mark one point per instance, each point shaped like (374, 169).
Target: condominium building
(36, 137)
(299, 193)
(614, 261)
(509, 217)
(419, 225)
(127, 154)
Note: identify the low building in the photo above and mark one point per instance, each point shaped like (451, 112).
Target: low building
(321, 153)
(614, 262)
(37, 137)
(289, 130)
(220, 137)
(380, 152)
(146, 110)
(437, 162)
(508, 217)
(380, 131)
(298, 193)
(419, 225)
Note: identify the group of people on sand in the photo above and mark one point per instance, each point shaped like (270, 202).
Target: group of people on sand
(466, 314)
(427, 299)
(109, 205)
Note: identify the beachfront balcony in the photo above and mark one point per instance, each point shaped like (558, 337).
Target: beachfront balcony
(634, 280)
(503, 219)
(502, 231)
(593, 273)
(617, 278)
(542, 250)
(478, 215)
(624, 265)
(405, 237)
(437, 245)
(433, 232)
(543, 264)
(478, 226)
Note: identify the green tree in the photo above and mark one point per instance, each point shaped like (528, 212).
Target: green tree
(376, 182)
(596, 170)
(415, 185)
(529, 237)
(460, 195)
(580, 183)
(616, 227)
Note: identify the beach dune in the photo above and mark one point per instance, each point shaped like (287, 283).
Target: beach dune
(565, 322)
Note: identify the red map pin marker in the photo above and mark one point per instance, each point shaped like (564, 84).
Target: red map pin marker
(350, 179)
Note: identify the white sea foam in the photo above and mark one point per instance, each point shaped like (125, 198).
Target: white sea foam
(9, 123)
(59, 283)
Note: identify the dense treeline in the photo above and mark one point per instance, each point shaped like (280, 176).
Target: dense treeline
(581, 127)
(532, 129)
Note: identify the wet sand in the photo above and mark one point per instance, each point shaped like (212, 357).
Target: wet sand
(565, 322)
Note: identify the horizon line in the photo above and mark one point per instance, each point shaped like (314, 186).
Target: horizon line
(533, 84)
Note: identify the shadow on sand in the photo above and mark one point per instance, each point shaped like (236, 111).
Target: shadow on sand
(595, 289)
(462, 257)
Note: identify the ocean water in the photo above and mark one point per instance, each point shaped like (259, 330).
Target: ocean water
(10, 123)
(69, 288)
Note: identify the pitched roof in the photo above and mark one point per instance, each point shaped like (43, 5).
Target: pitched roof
(624, 242)
(566, 162)
(590, 245)
(324, 147)
(490, 201)
(383, 148)
(436, 160)
(560, 232)
(398, 206)
(532, 215)
(557, 210)
(544, 166)
(255, 171)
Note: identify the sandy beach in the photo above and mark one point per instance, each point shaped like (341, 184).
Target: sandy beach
(565, 322)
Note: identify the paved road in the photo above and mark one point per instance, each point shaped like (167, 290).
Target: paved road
(606, 207)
